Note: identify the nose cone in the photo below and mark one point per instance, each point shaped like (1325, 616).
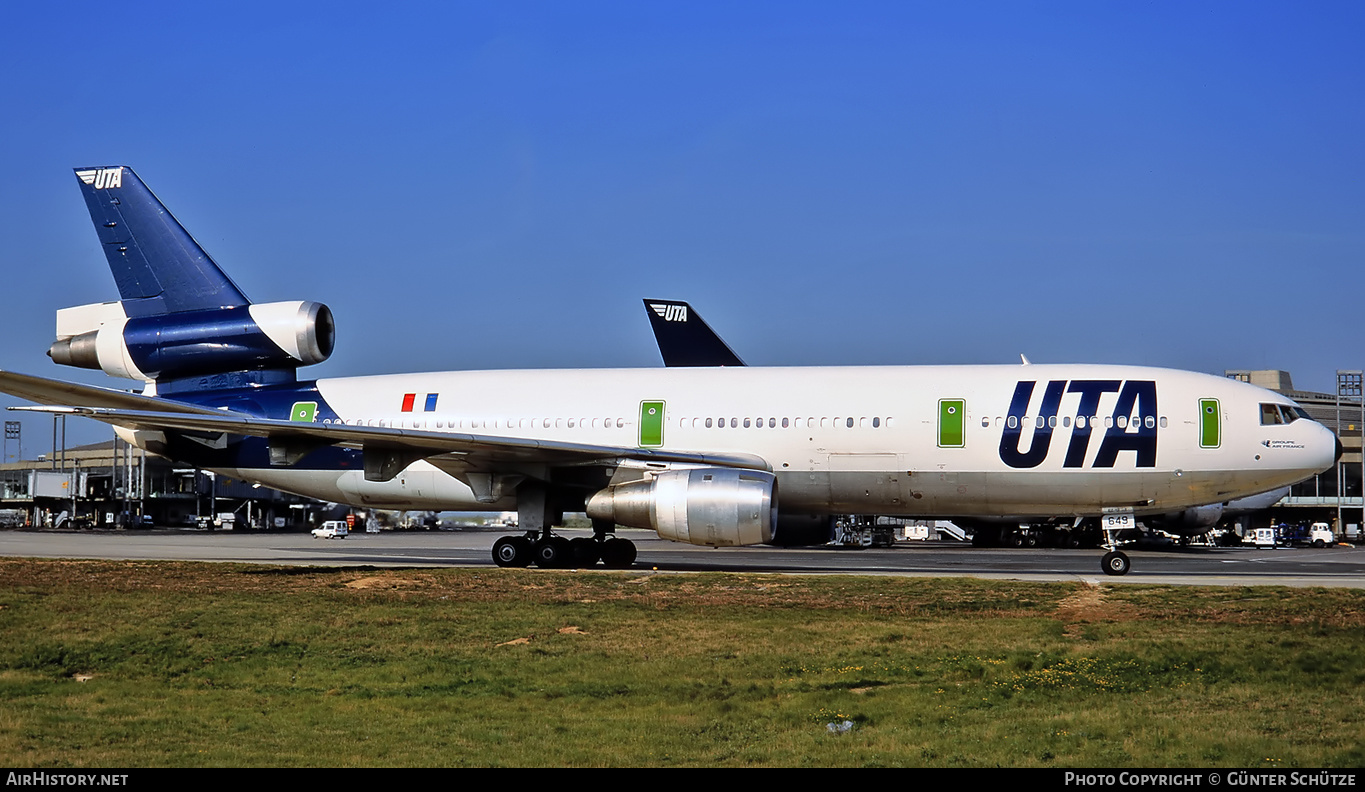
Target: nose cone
(1328, 447)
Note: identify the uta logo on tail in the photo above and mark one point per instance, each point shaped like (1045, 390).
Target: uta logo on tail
(670, 313)
(102, 178)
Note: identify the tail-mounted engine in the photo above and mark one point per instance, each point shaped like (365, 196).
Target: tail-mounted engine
(717, 507)
(283, 335)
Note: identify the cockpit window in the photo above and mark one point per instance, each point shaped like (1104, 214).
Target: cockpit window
(1282, 414)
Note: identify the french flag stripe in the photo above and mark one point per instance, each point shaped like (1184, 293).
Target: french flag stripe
(431, 402)
(408, 399)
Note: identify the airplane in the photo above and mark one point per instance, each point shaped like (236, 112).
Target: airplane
(718, 457)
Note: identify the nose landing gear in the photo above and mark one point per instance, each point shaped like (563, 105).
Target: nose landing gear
(1115, 562)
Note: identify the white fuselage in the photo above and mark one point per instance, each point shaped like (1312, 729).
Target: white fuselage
(916, 440)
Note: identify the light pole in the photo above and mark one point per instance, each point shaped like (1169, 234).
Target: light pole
(75, 484)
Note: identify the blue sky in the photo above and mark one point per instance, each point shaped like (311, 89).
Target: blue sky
(495, 185)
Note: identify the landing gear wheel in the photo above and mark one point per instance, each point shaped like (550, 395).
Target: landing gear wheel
(512, 551)
(1115, 563)
(553, 553)
(585, 552)
(618, 553)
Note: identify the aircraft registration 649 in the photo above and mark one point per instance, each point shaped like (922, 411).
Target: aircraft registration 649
(711, 456)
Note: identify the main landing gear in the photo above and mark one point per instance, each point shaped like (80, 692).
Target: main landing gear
(548, 551)
(537, 511)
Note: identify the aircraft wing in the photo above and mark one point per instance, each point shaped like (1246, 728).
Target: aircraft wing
(389, 450)
(50, 391)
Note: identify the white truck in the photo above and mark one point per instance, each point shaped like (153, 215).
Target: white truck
(1320, 535)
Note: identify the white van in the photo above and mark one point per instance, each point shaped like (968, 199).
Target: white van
(332, 529)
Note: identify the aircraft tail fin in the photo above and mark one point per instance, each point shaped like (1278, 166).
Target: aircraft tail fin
(181, 323)
(158, 266)
(685, 339)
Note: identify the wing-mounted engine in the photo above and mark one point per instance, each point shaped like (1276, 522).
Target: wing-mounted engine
(267, 336)
(717, 507)
(1188, 522)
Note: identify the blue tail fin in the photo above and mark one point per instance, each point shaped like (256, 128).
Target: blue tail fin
(158, 266)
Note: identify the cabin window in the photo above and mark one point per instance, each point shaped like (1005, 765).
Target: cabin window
(784, 423)
(876, 422)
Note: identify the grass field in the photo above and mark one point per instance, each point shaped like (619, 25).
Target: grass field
(181, 664)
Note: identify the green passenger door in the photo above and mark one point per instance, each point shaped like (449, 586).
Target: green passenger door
(651, 424)
(1210, 424)
(952, 423)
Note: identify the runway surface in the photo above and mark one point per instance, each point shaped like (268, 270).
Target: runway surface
(1332, 567)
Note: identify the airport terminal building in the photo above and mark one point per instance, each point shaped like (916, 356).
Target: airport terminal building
(116, 485)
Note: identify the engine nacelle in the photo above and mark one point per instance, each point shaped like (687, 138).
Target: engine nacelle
(1190, 522)
(282, 335)
(717, 507)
